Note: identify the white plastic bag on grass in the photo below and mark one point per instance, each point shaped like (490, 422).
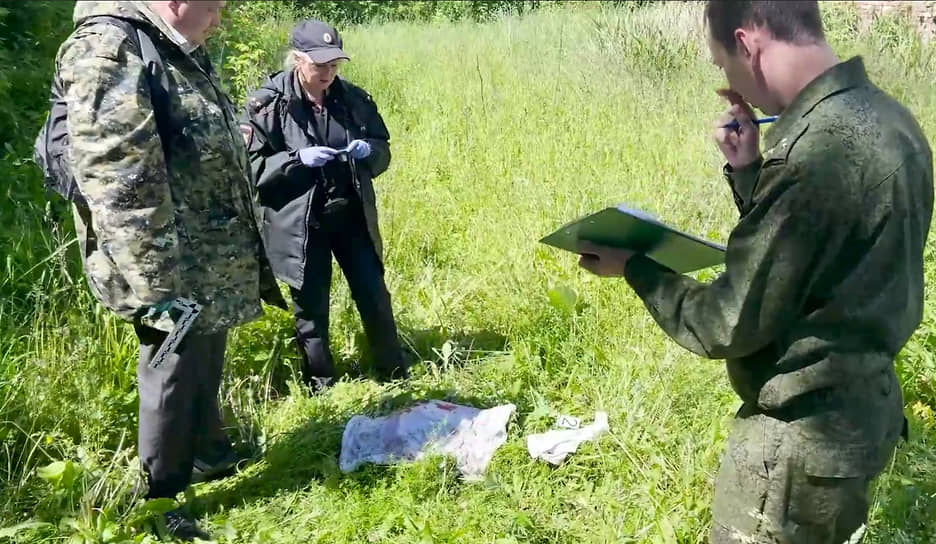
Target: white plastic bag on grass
(555, 446)
(468, 434)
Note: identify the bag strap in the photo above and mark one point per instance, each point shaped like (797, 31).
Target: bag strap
(156, 75)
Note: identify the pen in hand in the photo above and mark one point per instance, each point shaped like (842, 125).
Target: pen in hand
(734, 124)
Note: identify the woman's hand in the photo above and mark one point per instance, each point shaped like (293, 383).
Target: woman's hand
(359, 149)
(316, 155)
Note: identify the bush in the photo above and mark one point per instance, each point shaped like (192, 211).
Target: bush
(345, 12)
(29, 36)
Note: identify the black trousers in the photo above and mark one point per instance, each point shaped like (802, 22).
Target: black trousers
(179, 413)
(344, 234)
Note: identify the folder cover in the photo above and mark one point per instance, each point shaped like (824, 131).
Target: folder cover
(627, 228)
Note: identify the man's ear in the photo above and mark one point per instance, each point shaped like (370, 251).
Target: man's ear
(744, 43)
(750, 47)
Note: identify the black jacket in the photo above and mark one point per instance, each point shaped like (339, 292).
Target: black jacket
(276, 126)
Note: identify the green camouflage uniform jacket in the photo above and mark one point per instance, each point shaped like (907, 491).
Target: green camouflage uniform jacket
(157, 230)
(823, 282)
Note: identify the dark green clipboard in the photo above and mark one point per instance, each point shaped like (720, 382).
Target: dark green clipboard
(627, 228)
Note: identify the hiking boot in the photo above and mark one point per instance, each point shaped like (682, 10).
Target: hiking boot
(400, 372)
(180, 526)
(318, 384)
(207, 470)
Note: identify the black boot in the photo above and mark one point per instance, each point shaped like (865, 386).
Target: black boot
(213, 468)
(398, 371)
(318, 384)
(182, 527)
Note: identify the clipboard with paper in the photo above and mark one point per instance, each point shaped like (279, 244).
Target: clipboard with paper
(627, 228)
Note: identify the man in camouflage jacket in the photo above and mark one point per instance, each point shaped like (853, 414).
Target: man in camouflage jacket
(823, 280)
(165, 219)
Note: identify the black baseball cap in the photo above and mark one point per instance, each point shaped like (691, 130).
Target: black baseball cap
(318, 40)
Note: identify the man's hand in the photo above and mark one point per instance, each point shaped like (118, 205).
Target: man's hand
(158, 316)
(740, 146)
(160, 307)
(604, 261)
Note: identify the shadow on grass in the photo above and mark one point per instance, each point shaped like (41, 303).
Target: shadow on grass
(267, 379)
(426, 342)
(420, 345)
(308, 455)
(417, 344)
(906, 494)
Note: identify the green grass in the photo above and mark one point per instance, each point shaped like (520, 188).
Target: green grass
(501, 132)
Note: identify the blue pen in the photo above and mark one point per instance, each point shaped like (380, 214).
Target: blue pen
(761, 121)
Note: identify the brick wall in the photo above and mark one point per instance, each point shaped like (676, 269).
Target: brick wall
(922, 13)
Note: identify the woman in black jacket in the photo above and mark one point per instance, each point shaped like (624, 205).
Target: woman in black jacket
(316, 142)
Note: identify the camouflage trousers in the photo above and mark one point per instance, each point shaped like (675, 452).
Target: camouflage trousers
(766, 493)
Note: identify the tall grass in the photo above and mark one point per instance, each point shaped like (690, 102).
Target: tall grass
(500, 132)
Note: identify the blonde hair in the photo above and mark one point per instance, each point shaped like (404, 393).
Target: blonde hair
(293, 56)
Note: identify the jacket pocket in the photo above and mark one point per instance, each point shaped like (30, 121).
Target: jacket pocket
(835, 460)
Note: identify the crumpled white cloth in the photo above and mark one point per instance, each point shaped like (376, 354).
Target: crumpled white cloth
(468, 434)
(555, 446)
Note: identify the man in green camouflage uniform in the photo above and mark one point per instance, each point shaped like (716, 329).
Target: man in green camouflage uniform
(823, 282)
(165, 219)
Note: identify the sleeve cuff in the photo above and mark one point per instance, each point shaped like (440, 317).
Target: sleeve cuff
(745, 173)
(644, 274)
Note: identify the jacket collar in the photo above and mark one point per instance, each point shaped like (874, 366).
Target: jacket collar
(841, 77)
(170, 32)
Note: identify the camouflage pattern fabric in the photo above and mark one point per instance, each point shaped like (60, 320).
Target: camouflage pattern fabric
(764, 493)
(823, 284)
(156, 231)
(779, 484)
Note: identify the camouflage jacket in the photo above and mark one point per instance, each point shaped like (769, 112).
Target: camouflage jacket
(155, 230)
(823, 282)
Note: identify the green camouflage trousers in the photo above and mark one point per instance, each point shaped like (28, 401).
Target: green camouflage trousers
(771, 489)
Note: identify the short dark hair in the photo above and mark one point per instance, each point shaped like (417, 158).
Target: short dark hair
(788, 20)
